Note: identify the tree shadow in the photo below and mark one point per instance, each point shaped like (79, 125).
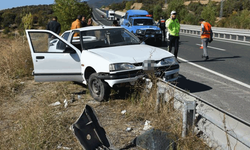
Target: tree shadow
(190, 85)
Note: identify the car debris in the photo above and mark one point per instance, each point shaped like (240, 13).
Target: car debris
(129, 129)
(55, 104)
(89, 132)
(65, 103)
(123, 112)
(147, 125)
(93, 137)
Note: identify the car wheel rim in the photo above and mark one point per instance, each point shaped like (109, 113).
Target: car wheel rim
(96, 87)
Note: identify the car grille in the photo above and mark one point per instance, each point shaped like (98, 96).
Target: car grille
(140, 64)
(150, 31)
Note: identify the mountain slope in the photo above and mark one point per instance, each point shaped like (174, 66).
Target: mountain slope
(100, 3)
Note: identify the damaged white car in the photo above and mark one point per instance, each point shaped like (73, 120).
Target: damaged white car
(101, 57)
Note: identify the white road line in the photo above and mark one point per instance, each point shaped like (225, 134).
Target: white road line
(220, 49)
(216, 73)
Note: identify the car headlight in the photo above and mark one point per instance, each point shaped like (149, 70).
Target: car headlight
(158, 32)
(121, 66)
(168, 61)
(140, 31)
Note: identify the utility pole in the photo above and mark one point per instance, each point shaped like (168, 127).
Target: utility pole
(221, 8)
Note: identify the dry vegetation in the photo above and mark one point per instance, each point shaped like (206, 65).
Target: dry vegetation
(29, 122)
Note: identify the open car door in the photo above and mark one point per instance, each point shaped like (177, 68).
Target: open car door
(54, 59)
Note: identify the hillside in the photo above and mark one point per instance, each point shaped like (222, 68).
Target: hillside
(100, 3)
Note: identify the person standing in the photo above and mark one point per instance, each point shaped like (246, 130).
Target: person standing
(162, 25)
(83, 23)
(173, 26)
(206, 36)
(89, 22)
(54, 26)
(76, 24)
(115, 23)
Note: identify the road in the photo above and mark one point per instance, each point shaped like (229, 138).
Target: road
(223, 80)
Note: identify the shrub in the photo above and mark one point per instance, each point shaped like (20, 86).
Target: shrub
(6, 30)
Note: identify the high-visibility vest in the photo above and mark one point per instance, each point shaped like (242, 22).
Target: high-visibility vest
(173, 26)
(207, 30)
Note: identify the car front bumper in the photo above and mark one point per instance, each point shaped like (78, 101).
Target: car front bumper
(150, 36)
(169, 74)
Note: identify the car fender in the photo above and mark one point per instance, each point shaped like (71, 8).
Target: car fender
(100, 65)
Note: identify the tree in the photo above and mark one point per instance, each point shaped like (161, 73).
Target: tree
(128, 5)
(67, 11)
(27, 21)
(8, 19)
(157, 12)
(209, 13)
(179, 7)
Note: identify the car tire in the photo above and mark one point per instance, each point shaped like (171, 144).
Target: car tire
(98, 88)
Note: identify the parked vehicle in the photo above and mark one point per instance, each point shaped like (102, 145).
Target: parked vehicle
(102, 57)
(110, 14)
(145, 29)
(142, 25)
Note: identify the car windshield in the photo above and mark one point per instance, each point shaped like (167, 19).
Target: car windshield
(107, 38)
(143, 22)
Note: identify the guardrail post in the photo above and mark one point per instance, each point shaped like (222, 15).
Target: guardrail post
(188, 116)
(160, 96)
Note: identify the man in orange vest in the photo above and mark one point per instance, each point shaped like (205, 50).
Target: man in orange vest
(206, 36)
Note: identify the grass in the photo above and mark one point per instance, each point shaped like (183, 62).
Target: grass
(29, 122)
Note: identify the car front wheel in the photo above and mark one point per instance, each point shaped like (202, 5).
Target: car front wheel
(98, 88)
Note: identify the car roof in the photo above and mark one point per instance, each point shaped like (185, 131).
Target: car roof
(94, 28)
(137, 12)
(141, 18)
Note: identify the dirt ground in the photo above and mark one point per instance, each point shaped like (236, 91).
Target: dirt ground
(109, 113)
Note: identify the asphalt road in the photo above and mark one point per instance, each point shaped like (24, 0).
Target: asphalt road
(223, 80)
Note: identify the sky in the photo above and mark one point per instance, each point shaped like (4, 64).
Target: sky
(5, 4)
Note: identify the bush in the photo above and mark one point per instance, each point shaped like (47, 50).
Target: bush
(6, 30)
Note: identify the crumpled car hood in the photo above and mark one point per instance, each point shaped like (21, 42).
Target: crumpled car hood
(131, 53)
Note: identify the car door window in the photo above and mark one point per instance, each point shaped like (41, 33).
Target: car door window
(66, 35)
(45, 42)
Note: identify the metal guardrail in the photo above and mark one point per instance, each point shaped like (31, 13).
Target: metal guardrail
(218, 128)
(219, 33)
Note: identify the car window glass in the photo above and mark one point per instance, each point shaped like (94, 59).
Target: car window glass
(141, 22)
(66, 35)
(45, 42)
(107, 37)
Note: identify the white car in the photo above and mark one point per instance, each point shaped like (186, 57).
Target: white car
(101, 57)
